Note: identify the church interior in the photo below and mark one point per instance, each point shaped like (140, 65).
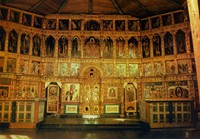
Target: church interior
(99, 58)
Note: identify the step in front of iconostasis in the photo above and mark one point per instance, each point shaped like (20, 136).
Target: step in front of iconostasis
(93, 124)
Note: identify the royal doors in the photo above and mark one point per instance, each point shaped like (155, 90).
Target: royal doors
(91, 92)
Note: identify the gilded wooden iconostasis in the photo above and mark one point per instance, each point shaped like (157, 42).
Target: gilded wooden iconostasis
(95, 64)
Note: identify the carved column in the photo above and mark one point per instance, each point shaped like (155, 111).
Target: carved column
(32, 21)
(139, 53)
(19, 33)
(162, 43)
(102, 94)
(55, 55)
(187, 41)
(172, 18)
(6, 48)
(57, 24)
(126, 46)
(150, 24)
(8, 16)
(126, 25)
(31, 43)
(114, 25)
(70, 22)
(161, 21)
(69, 46)
(101, 46)
(6, 39)
(121, 90)
(191, 89)
(174, 41)
(56, 72)
(81, 41)
(43, 46)
(18, 51)
(82, 24)
(114, 47)
(151, 44)
(20, 18)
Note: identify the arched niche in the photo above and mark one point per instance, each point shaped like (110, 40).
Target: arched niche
(50, 46)
(92, 25)
(2, 38)
(75, 50)
(91, 48)
(180, 42)
(63, 47)
(146, 47)
(13, 41)
(168, 44)
(132, 48)
(120, 42)
(157, 45)
(108, 48)
(25, 43)
(36, 49)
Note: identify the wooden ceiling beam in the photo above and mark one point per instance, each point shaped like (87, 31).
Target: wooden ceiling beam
(174, 2)
(126, 3)
(6, 1)
(116, 5)
(36, 5)
(62, 5)
(90, 6)
(142, 6)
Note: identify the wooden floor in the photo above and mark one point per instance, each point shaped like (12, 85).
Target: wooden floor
(50, 132)
(89, 122)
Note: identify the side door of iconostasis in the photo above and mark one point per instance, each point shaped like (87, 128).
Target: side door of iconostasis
(91, 92)
(130, 98)
(53, 95)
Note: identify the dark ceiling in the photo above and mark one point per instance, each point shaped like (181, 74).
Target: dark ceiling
(136, 8)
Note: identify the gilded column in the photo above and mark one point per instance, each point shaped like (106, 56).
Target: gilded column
(174, 41)
(172, 18)
(31, 43)
(151, 45)
(162, 43)
(69, 46)
(6, 39)
(6, 48)
(121, 90)
(101, 46)
(187, 41)
(56, 46)
(139, 51)
(8, 16)
(114, 47)
(161, 21)
(18, 52)
(126, 46)
(126, 25)
(19, 41)
(113, 44)
(70, 22)
(32, 21)
(57, 24)
(81, 41)
(56, 72)
(150, 24)
(20, 18)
